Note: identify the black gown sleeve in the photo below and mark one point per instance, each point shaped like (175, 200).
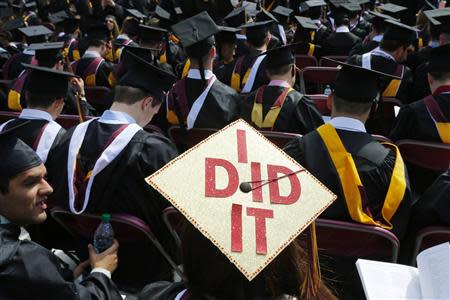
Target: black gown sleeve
(295, 149)
(35, 272)
(307, 116)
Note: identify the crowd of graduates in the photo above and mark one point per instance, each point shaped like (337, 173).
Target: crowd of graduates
(206, 64)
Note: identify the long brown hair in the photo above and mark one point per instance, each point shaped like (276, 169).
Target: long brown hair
(209, 273)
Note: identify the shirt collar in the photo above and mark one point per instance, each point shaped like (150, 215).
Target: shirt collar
(195, 74)
(279, 83)
(29, 52)
(377, 38)
(349, 124)
(342, 28)
(116, 117)
(434, 44)
(91, 54)
(123, 36)
(35, 114)
(3, 220)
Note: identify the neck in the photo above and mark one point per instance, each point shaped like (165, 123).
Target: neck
(437, 84)
(362, 118)
(207, 66)
(285, 77)
(133, 110)
(393, 53)
(94, 49)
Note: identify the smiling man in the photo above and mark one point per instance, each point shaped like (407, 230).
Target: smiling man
(27, 270)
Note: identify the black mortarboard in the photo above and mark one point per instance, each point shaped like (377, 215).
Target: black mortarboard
(6, 11)
(311, 4)
(34, 31)
(438, 16)
(237, 17)
(196, 34)
(161, 13)
(397, 31)
(428, 5)
(440, 59)
(351, 7)
(17, 157)
(362, 2)
(306, 23)
(148, 77)
(144, 53)
(280, 56)
(136, 13)
(338, 3)
(357, 84)
(61, 14)
(55, 19)
(31, 4)
(264, 15)
(150, 33)
(257, 30)
(227, 34)
(97, 32)
(392, 9)
(47, 54)
(282, 11)
(13, 24)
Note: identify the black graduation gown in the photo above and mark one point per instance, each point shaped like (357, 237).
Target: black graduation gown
(29, 133)
(221, 106)
(421, 87)
(224, 71)
(373, 162)
(13, 66)
(386, 65)
(322, 34)
(298, 114)
(414, 122)
(364, 47)
(121, 188)
(261, 76)
(417, 58)
(29, 271)
(339, 43)
(103, 71)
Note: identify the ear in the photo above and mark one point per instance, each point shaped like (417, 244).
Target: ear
(146, 102)
(212, 52)
(59, 103)
(268, 37)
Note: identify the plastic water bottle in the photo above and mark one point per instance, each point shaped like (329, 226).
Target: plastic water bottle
(327, 90)
(104, 234)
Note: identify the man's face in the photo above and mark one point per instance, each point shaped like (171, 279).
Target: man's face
(24, 203)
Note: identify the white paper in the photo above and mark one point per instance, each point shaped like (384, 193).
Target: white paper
(383, 281)
(434, 267)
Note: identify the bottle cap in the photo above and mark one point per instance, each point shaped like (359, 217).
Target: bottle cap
(106, 217)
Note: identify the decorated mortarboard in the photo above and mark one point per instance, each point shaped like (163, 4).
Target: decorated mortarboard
(280, 56)
(195, 29)
(151, 33)
(358, 84)
(227, 34)
(236, 17)
(33, 31)
(439, 59)
(147, 76)
(391, 8)
(282, 11)
(17, 157)
(248, 197)
(264, 15)
(397, 31)
(13, 24)
(47, 81)
(306, 23)
(136, 14)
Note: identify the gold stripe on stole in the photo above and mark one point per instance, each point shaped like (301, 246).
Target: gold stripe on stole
(351, 182)
(443, 131)
(272, 114)
(14, 101)
(186, 68)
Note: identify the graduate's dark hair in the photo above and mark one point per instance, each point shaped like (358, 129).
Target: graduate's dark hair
(315, 12)
(257, 39)
(440, 76)
(40, 99)
(392, 45)
(199, 52)
(130, 95)
(354, 108)
(209, 273)
(279, 70)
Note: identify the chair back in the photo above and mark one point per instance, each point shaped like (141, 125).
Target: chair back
(321, 103)
(317, 76)
(280, 139)
(429, 237)
(324, 62)
(302, 61)
(8, 115)
(426, 155)
(97, 96)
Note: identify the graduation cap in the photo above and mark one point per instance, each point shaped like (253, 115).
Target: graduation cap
(31, 4)
(47, 54)
(196, 34)
(392, 9)
(428, 5)
(311, 5)
(282, 13)
(161, 13)
(362, 2)
(55, 19)
(17, 157)
(264, 15)
(5, 10)
(150, 33)
(227, 34)
(136, 14)
(397, 31)
(351, 7)
(338, 3)
(439, 59)
(13, 24)
(47, 81)
(35, 31)
(358, 84)
(210, 198)
(144, 53)
(306, 23)
(98, 32)
(437, 16)
(280, 56)
(147, 76)
(236, 17)
(257, 30)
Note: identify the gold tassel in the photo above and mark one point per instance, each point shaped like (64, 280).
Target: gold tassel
(311, 283)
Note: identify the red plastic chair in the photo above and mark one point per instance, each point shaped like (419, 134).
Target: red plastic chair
(97, 97)
(173, 220)
(429, 237)
(127, 229)
(381, 139)
(317, 75)
(321, 102)
(355, 240)
(280, 139)
(426, 155)
(302, 61)
(324, 62)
